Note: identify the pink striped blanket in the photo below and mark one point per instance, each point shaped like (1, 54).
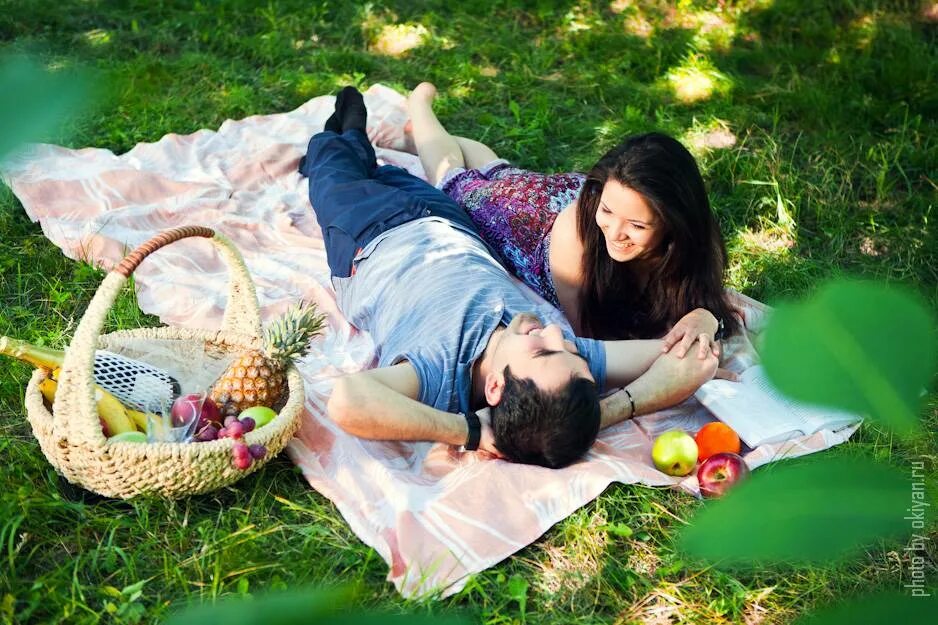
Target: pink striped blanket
(434, 514)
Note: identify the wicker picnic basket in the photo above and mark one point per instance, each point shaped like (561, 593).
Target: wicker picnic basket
(71, 436)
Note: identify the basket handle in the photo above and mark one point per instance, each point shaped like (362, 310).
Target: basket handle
(75, 411)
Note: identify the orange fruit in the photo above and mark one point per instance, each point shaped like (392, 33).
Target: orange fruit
(715, 438)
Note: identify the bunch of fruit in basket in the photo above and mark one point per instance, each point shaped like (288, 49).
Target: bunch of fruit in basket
(138, 403)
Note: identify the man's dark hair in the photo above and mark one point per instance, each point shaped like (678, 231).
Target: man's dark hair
(549, 428)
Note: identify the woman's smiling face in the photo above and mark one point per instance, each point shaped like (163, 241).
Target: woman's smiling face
(628, 223)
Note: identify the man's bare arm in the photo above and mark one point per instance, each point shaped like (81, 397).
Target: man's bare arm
(380, 404)
(667, 382)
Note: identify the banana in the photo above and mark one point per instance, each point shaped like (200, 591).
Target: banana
(113, 413)
(114, 417)
(47, 387)
(139, 419)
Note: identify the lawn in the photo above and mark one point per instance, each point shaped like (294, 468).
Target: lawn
(816, 125)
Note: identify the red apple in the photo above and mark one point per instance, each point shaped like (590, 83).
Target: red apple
(719, 472)
(195, 406)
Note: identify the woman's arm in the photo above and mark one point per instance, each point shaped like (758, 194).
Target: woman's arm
(566, 265)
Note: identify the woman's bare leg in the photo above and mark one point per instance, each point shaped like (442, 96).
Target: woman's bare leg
(438, 150)
(475, 153)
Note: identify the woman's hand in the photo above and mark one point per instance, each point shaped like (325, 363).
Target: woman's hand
(697, 325)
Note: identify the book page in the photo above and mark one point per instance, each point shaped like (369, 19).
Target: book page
(752, 414)
(760, 414)
(807, 417)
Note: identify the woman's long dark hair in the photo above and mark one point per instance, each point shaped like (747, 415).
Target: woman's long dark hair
(683, 272)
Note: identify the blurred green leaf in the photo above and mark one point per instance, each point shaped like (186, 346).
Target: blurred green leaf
(892, 607)
(800, 512)
(311, 606)
(35, 100)
(860, 346)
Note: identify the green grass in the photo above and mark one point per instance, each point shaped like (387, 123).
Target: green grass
(833, 110)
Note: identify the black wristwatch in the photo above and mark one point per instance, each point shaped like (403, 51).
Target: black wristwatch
(720, 334)
(475, 431)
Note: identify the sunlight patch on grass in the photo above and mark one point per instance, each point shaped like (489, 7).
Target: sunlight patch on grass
(608, 131)
(636, 22)
(775, 241)
(870, 246)
(701, 139)
(397, 39)
(715, 30)
(697, 80)
(574, 561)
(460, 92)
(863, 31)
(657, 607)
(638, 26)
(576, 20)
(97, 37)
(681, 601)
(755, 613)
(643, 558)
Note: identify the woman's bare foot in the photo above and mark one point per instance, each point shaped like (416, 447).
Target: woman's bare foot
(422, 95)
(420, 98)
(438, 150)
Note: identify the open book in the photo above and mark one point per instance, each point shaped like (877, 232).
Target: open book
(760, 414)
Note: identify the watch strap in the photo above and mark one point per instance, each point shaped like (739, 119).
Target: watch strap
(475, 431)
(721, 330)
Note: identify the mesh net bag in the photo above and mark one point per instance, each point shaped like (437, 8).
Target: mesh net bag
(137, 384)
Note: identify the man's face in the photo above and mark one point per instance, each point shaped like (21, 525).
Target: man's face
(537, 352)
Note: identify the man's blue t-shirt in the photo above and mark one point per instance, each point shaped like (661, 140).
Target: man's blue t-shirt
(431, 294)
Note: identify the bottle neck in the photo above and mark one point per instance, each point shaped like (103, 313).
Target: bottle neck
(44, 357)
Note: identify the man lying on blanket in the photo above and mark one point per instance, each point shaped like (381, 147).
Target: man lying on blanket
(454, 332)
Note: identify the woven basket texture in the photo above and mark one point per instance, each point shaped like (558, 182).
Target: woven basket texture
(70, 435)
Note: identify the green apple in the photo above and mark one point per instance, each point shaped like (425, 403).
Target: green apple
(675, 453)
(129, 437)
(262, 415)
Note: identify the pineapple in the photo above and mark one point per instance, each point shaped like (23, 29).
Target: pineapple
(258, 378)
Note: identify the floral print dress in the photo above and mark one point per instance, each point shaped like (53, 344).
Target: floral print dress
(514, 210)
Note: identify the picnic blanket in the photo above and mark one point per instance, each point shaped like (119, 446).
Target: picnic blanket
(434, 514)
